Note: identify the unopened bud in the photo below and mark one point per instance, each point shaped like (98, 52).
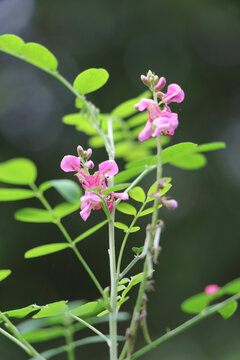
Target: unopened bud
(161, 83)
(156, 78)
(89, 164)
(211, 289)
(80, 151)
(88, 154)
(145, 80)
(170, 204)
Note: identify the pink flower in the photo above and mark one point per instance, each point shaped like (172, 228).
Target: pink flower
(211, 289)
(159, 122)
(161, 83)
(91, 200)
(174, 94)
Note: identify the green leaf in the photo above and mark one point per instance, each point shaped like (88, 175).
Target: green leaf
(96, 141)
(137, 250)
(134, 229)
(53, 309)
(138, 119)
(127, 108)
(45, 250)
(153, 188)
(11, 43)
(90, 80)
(39, 56)
(137, 194)
(228, 310)
(10, 194)
(18, 171)
(65, 209)
(211, 146)
(190, 162)
(126, 208)
(92, 308)
(148, 211)
(22, 312)
(69, 190)
(196, 303)
(90, 231)
(233, 287)
(80, 122)
(148, 160)
(115, 188)
(176, 151)
(120, 225)
(33, 215)
(40, 335)
(4, 273)
(136, 279)
(128, 174)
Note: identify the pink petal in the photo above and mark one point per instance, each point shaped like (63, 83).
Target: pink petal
(89, 164)
(122, 196)
(70, 163)
(211, 289)
(174, 94)
(89, 197)
(108, 167)
(143, 104)
(161, 83)
(146, 133)
(161, 124)
(86, 212)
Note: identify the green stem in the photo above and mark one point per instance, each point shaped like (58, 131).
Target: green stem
(45, 203)
(204, 314)
(18, 336)
(145, 269)
(125, 239)
(16, 341)
(69, 342)
(96, 331)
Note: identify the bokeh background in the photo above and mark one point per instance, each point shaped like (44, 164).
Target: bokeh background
(193, 43)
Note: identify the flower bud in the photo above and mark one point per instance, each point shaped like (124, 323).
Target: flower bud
(145, 80)
(170, 204)
(89, 164)
(88, 154)
(161, 83)
(80, 151)
(211, 289)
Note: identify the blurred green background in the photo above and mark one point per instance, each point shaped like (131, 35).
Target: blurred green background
(193, 43)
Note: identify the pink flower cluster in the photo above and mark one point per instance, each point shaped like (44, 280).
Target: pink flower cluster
(92, 200)
(162, 121)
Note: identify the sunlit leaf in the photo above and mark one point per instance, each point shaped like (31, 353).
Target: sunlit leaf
(149, 160)
(137, 194)
(53, 309)
(136, 279)
(228, 310)
(69, 189)
(45, 250)
(176, 151)
(233, 287)
(40, 335)
(80, 122)
(18, 171)
(65, 209)
(126, 208)
(90, 80)
(22, 312)
(10, 194)
(4, 273)
(120, 226)
(11, 43)
(134, 229)
(128, 174)
(33, 215)
(190, 162)
(96, 141)
(127, 108)
(90, 309)
(40, 56)
(199, 302)
(139, 119)
(211, 146)
(148, 211)
(90, 231)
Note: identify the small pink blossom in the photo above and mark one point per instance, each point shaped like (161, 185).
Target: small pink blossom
(170, 204)
(161, 83)
(174, 94)
(89, 164)
(211, 289)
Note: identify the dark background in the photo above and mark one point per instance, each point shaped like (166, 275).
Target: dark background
(193, 43)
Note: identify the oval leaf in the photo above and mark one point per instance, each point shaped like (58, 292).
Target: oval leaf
(52, 309)
(126, 209)
(134, 229)
(90, 231)
(121, 226)
(232, 287)
(45, 250)
(190, 162)
(148, 211)
(4, 274)
(196, 304)
(65, 209)
(40, 56)
(228, 310)
(18, 171)
(33, 215)
(90, 80)
(87, 310)
(127, 107)
(128, 174)
(211, 146)
(137, 194)
(21, 313)
(8, 194)
(11, 43)
(176, 151)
